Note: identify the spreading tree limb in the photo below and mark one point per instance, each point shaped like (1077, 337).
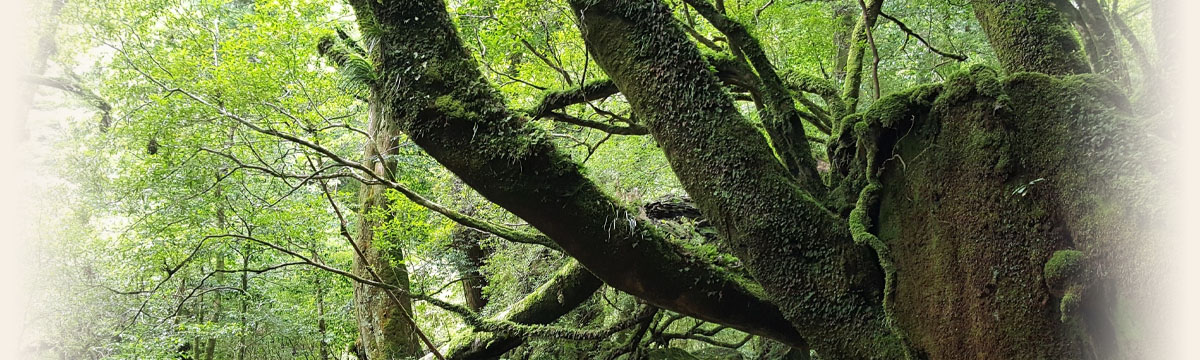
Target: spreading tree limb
(787, 241)
(457, 118)
(784, 123)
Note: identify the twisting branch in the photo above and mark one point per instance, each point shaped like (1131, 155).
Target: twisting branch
(708, 340)
(555, 100)
(631, 129)
(914, 34)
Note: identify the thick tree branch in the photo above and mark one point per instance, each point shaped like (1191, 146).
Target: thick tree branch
(462, 122)
(566, 290)
(786, 240)
(784, 123)
(570, 286)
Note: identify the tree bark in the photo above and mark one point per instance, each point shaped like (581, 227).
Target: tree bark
(782, 120)
(1031, 35)
(843, 19)
(824, 283)
(566, 290)
(1034, 196)
(322, 330)
(990, 190)
(384, 327)
(467, 242)
(1105, 53)
(852, 86)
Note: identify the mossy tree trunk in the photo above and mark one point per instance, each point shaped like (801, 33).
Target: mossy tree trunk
(993, 216)
(1031, 35)
(1016, 219)
(467, 241)
(384, 324)
(855, 55)
(826, 285)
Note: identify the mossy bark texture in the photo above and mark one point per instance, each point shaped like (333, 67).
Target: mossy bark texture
(852, 86)
(383, 326)
(1031, 35)
(1019, 213)
(803, 255)
(570, 287)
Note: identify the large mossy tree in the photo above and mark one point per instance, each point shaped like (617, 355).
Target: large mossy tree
(996, 214)
(1008, 209)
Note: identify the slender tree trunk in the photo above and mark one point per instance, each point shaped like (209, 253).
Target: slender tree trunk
(384, 327)
(220, 270)
(245, 286)
(467, 240)
(852, 86)
(211, 345)
(844, 20)
(468, 243)
(322, 331)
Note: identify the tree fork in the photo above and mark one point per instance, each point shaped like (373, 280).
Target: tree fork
(434, 92)
(826, 285)
(782, 119)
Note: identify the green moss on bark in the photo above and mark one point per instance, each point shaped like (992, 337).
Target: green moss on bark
(989, 205)
(1031, 35)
